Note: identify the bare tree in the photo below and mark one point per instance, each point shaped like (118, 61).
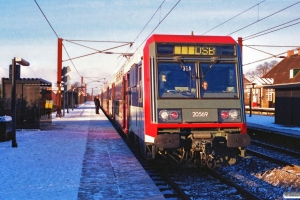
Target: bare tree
(260, 70)
(251, 74)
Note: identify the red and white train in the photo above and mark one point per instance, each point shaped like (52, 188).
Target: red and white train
(181, 96)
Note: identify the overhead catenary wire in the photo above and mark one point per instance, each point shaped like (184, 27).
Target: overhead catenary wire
(56, 35)
(267, 31)
(71, 60)
(148, 23)
(104, 41)
(98, 51)
(233, 17)
(270, 28)
(46, 19)
(272, 56)
(264, 59)
(159, 23)
(264, 18)
(259, 50)
(258, 45)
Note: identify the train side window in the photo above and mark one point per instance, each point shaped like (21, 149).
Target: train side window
(140, 86)
(133, 76)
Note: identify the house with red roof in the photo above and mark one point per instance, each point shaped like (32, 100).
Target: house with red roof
(286, 84)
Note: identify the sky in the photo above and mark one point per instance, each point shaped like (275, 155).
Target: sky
(26, 33)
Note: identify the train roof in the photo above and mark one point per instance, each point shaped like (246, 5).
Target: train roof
(191, 39)
(137, 56)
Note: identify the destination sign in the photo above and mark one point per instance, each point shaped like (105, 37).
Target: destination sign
(202, 50)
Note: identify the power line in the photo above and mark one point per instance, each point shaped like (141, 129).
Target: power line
(270, 46)
(71, 60)
(264, 18)
(272, 56)
(160, 22)
(57, 36)
(104, 41)
(46, 19)
(267, 31)
(149, 21)
(233, 17)
(98, 51)
(264, 59)
(259, 50)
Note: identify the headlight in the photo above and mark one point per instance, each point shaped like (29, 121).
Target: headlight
(163, 114)
(169, 115)
(229, 115)
(233, 114)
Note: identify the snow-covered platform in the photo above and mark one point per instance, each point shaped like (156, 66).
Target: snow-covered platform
(267, 123)
(79, 156)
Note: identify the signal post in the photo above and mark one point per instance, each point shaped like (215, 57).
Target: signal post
(59, 72)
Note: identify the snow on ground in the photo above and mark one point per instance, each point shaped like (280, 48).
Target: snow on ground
(46, 164)
(266, 121)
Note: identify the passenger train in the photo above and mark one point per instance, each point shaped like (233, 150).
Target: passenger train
(181, 97)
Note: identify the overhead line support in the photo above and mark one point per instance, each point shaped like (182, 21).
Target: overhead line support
(59, 69)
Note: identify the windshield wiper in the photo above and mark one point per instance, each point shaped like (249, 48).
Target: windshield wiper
(179, 60)
(215, 61)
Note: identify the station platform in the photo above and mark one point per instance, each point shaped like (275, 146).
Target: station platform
(78, 156)
(267, 123)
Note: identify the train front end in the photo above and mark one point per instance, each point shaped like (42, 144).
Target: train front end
(193, 99)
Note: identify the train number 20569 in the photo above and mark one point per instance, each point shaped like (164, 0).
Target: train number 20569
(200, 114)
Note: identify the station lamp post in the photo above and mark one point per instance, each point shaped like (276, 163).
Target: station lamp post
(13, 96)
(250, 99)
(73, 98)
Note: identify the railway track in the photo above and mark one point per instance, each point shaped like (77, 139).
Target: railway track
(276, 148)
(244, 192)
(274, 154)
(274, 138)
(166, 185)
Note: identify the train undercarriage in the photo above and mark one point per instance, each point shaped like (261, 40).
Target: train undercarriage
(202, 148)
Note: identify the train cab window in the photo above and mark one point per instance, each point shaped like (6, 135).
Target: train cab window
(177, 80)
(218, 80)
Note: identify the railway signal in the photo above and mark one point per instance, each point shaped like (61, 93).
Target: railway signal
(65, 79)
